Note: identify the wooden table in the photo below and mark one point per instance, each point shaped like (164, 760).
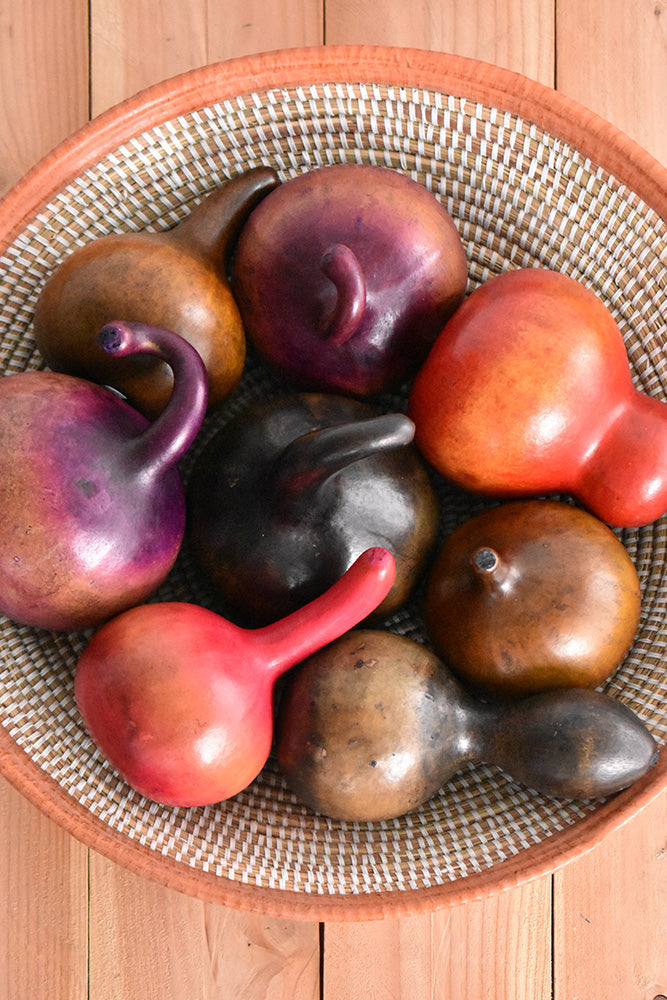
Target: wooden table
(74, 925)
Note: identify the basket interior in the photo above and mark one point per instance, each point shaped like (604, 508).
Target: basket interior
(520, 198)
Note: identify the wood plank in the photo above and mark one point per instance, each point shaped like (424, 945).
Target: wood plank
(624, 73)
(43, 80)
(136, 43)
(611, 917)
(495, 949)
(515, 34)
(147, 941)
(44, 913)
(239, 29)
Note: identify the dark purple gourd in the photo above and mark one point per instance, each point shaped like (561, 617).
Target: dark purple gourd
(345, 275)
(92, 498)
(374, 725)
(284, 497)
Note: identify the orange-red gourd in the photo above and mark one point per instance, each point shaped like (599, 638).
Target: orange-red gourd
(528, 390)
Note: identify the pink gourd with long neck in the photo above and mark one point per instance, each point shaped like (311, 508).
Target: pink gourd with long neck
(179, 700)
(92, 499)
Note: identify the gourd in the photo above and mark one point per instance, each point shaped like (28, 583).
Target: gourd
(286, 495)
(532, 594)
(176, 279)
(180, 700)
(92, 498)
(528, 391)
(344, 276)
(373, 725)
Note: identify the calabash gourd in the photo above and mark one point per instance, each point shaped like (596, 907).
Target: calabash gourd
(180, 700)
(92, 498)
(532, 594)
(373, 725)
(174, 278)
(528, 391)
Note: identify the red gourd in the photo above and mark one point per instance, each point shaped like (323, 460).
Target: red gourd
(528, 390)
(179, 699)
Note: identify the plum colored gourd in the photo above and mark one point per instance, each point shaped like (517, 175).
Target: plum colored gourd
(528, 390)
(373, 725)
(532, 594)
(92, 499)
(284, 497)
(175, 279)
(180, 700)
(344, 276)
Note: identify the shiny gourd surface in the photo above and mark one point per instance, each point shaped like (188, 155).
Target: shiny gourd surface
(374, 725)
(175, 278)
(530, 595)
(527, 390)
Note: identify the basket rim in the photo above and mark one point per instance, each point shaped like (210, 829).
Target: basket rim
(495, 86)
(532, 863)
(564, 118)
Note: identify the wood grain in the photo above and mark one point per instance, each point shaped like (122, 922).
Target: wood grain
(44, 912)
(135, 44)
(495, 949)
(515, 34)
(243, 28)
(148, 942)
(138, 42)
(43, 80)
(612, 56)
(609, 908)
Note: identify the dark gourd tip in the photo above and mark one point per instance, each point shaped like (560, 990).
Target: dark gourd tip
(110, 338)
(485, 560)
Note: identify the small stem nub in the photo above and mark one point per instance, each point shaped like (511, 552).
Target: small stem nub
(485, 560)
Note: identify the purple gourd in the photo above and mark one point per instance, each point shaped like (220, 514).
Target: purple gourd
(91, 493)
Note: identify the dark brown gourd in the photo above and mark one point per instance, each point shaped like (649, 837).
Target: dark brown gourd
(284, 497)
(374, 724)
(531, 595)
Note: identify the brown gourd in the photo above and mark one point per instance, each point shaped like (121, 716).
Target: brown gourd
(373, 725)
(530, 595)
(174, 279)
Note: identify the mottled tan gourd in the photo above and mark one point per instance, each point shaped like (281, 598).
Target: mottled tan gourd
(373, 725)
(174, 279)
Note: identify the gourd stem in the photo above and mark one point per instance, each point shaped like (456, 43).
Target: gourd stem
(356, 594)
(485, 560)
(310, 461)
(165, 441)
(213, 226)
(342, 268)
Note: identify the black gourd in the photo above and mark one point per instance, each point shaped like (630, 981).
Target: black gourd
(283, 498)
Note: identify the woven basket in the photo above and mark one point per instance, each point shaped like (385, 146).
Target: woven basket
(531, 179)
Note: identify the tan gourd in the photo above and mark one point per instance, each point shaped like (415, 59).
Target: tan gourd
(373, 725)
(176, 279)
